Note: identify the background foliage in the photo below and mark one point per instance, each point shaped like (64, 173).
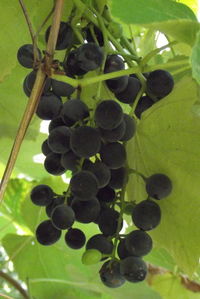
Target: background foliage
(167, 141)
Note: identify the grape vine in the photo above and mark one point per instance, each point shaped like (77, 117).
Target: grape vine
(91, 142)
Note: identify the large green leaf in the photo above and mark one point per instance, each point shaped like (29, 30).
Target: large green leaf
(151, 11)
(171, 18)
(170, 286)
(167, 141)
(57, 272)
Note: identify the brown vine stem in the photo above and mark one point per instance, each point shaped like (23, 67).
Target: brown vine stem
(34, 98)
(5, 296)
(15, 284)
(185, 281)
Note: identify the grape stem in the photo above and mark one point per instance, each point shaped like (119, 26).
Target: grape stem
(151, 54)
(87, 81)
(122, 200)
(134, 171)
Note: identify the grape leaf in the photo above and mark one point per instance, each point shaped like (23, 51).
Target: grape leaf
(170, 286)
(60, 273)
(167, 141)
(151, 11)
(171, 18)
(193, 4)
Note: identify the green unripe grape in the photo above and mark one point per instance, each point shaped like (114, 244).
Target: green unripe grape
(115, 29)
(91, 256)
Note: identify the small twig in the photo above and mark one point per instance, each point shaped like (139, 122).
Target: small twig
(28, 20)
(15, 284)
(45, 20)
(31, 30)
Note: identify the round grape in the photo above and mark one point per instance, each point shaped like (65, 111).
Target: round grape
(59, 140)
(138, 243)
(158, 186)
(47, 234)
(85, 141)
(110, 274)
(75, 238)
(133, 269)
(146, 215)
(42, 195)
(113, 155)
(62, 216)
(86, 211)
(25, 55)
(84, 185)
(159, 83)
(108, 115)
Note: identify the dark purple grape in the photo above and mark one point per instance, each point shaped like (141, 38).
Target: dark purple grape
(59, 140)
(130, 128)
(55, 202)
(65, 36)
(146, 215)
(45, 148)
(101, 243)
(89, 56)
(84, 185)
(85, 141)
(133, 269)
(138, 243)
(74, 110)
(86, 211)
(113, 63)
(25, 55)
(110, 274)
(47, 234)
(42, 195)
(129, 94)
(118, 84)
(159, 84)
(75, 238)
(101, 172)
(143, 104)
(69, 161)
(122, 250)
(108, 222)
(49, 107)
(108, 115)
(62, 216)
(56, 122)
(53, 165)
(71, 65)
(158, 186)
(113, 155)
(61, 89)
(114, 134)
(106, 194)
(29, 83)
(118, 178)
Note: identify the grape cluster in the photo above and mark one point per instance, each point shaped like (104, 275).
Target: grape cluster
(91, 143)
